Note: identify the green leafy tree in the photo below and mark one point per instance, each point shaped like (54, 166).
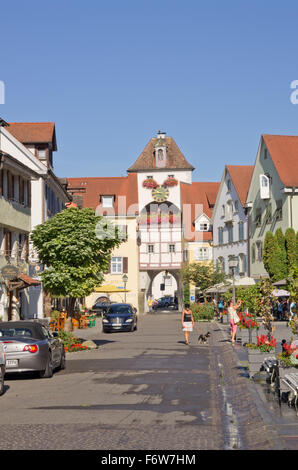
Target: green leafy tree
(272, 258)
(283, 261)
(250, 295)
(75, 246)
(291, 249)
(266, 289)
(203, 275)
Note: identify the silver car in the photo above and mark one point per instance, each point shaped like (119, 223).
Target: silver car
(2, 367)
(31, 346)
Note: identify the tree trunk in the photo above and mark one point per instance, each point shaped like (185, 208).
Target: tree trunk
(71, 305)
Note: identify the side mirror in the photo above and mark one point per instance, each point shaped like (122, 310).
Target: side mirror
(55, 334)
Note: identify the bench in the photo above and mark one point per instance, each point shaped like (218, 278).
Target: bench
(291, 381)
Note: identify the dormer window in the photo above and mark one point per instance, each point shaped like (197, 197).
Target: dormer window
(107, 201)
(42, 154)
(264, 187)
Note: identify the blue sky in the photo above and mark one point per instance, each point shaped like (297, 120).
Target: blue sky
(214, 75)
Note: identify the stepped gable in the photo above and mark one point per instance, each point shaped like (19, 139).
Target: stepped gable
(174, 159)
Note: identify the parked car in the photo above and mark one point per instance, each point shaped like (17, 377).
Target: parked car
(2, 366)
(101, 307)
(166, 302)
(120, 317)
(30, 347)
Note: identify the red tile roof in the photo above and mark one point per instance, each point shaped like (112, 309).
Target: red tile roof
(241, 177)
(91, 188)
(283, 150)
(34, 132)
(28, 280)
(175, 158)
(203, 194)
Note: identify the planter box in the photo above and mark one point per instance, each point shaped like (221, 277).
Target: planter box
(256, 359)
(244, 334)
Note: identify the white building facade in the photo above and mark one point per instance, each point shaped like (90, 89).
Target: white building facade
(230, 224)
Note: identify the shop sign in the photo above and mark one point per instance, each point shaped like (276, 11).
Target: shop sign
(9, 272)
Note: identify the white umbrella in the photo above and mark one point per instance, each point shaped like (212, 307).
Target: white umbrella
(281, 293)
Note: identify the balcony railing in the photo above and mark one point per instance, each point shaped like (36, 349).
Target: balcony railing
(160, 220)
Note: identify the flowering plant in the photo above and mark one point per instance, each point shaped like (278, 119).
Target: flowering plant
(150, 183)
(289, 356)
(263, 344)
(158, 218)
(170, 182)
(248, 320)
(75, 347)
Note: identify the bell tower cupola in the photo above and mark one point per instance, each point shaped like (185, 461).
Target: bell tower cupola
(160, 150)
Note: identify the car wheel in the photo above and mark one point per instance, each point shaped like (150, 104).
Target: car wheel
(48, 372)
(1, 381)
(136, 326)
(63, 361)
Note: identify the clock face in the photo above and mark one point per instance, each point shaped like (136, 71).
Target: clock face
(161, 193)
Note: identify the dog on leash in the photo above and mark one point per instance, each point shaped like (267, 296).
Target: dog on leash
(204, 338)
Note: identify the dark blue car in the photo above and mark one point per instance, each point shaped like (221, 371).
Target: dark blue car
(120, 317)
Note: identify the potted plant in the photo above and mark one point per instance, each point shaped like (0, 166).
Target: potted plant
(224, 317)
(150, 183)
(287, 363)
(248, 327)
(257, 353)
(170, 182)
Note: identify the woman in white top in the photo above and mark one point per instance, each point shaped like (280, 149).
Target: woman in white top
(233, 318)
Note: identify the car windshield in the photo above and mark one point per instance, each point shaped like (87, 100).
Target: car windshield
(119, 309)
(13, 332)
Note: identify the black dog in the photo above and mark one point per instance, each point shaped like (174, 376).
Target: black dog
(204, 338)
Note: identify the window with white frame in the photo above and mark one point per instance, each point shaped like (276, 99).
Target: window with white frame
(116, 265)
(150, 248)
(172, 248)
(203, 254)
(107, 201)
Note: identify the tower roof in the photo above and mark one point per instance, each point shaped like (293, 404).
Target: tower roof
(175, 159)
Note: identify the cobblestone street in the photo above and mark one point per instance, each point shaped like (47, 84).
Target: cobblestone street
(146, 390)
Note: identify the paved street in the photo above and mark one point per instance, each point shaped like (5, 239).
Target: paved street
(147, 390)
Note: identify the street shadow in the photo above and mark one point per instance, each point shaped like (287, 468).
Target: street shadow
(5, 389)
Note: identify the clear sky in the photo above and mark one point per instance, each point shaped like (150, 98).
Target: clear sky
(213, 74)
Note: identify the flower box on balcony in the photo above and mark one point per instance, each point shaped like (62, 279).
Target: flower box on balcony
(150, 183)
(170, 182)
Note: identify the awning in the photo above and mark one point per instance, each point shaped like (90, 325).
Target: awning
(283, 282)
(225, 286)
(281, 293)
(22, 282)
(110, 288)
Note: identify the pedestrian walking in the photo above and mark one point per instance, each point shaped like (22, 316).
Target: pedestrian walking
(150, 304)
(220, 308)
(187, 322)
(233, 318)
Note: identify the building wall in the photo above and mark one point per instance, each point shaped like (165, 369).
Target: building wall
(222, 251)
(127, 249)
(257, 233)
(144, 194)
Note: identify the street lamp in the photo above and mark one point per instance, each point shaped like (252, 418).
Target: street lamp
(125, 279)
(233, 263)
